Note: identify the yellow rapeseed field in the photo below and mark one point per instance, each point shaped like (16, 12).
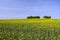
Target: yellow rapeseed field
(30, 29)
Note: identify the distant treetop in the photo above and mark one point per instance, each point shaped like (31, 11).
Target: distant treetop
(32, 17)
(48, 17)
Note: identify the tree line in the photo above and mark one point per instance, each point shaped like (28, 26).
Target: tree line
(33, 17)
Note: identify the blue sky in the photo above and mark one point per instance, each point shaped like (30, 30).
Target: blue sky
(24, 8)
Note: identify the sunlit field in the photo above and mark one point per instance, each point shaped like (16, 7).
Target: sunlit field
(30, 29)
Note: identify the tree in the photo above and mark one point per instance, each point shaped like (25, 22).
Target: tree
(47, 17)
(32, 17)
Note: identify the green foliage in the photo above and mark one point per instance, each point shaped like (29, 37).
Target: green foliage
(47, 17)
(32, 17)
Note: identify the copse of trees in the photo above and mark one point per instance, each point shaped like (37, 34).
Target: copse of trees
(38, 17)
(32, 17)
(47, 17)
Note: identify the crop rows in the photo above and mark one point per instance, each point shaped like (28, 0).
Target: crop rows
(29, 31)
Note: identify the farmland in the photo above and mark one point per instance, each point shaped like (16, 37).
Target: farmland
(30, 29)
